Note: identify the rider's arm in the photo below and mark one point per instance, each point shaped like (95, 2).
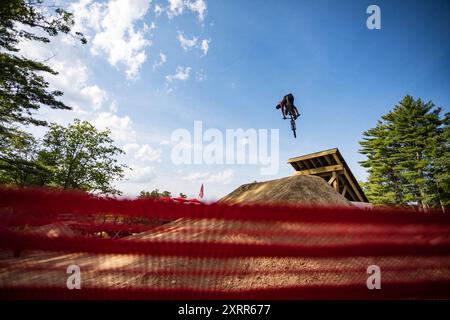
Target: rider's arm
(280, 104)
(283, 107)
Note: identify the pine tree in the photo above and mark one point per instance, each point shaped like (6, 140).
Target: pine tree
(23, 88)
(384, 183)
(407, 156)
(439, 177)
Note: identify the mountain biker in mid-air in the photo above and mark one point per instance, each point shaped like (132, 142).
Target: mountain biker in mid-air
(287, 106)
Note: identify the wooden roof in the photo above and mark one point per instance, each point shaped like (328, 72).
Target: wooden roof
(331, 166)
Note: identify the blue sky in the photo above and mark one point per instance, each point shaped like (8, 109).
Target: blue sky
(151, 67)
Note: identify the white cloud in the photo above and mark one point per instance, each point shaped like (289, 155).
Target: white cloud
(130, 147)
(114, 32)
(140, 174)
(94, 94)
(162, 60)
(158, 10)
(200, 76)
(177, 7)
(165, 142)
(147, 153)
(88, 100)
(121, 127)
(168, 89)
(181, 74)
(88, 15)
(195, 176)
(113, 107)
(223, 177)
(186, 43)
(73, 80)
(198, 6)
(143, 153)
(205, 46)
(73, 76)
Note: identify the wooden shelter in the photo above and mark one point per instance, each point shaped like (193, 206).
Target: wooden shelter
(331, 166)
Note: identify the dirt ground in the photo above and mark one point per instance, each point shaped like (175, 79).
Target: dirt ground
(139, 271)
(135, 271)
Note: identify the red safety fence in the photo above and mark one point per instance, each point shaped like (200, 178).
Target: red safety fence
(146, 249)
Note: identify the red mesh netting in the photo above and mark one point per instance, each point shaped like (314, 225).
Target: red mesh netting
(143, 249)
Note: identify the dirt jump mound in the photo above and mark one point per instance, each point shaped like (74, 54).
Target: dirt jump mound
(299, 189)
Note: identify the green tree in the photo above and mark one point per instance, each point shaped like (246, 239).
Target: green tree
(166, 194)
(23, 89)
(439, 173)
(182, 195)
(155, 194)
(20, 165)
(81, 157)
(407, 156)
(146, 194)
(384, 182)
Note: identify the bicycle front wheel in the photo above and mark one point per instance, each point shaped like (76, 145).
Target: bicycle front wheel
(293, 127)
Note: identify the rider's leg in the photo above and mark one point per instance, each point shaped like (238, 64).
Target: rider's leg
(289, 110)
(283, 111)
(297, 114)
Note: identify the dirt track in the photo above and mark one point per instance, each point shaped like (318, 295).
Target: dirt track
(138, 271)
(134, 271)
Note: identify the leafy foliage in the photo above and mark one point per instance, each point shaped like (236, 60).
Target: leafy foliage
(408, 156)
(81, 157)
(23, 88)
(156, 194)
(19, 164)
(74, 157)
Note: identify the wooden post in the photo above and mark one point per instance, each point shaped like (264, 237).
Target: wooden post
(335, 181)
(344, 190)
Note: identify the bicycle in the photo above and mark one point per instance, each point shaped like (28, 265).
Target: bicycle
(292, 120)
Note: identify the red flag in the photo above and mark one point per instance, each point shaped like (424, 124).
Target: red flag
(200, 195)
